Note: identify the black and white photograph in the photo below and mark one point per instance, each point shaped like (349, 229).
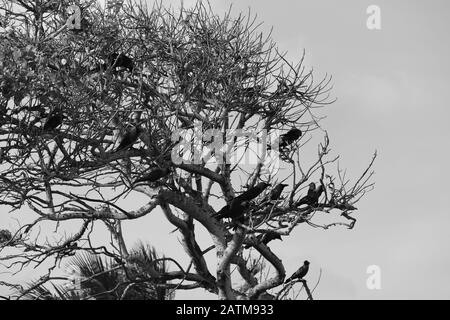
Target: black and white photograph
(227, 150)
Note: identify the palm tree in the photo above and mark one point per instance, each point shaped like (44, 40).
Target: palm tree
(99, 278)
(147, 263)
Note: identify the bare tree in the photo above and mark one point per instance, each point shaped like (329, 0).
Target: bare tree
(88, 111)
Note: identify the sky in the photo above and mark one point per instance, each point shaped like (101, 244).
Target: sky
(392, 96)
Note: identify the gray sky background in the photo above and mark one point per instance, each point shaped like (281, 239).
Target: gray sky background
(392, 90)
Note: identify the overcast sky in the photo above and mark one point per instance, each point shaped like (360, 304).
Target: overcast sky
(392, 91)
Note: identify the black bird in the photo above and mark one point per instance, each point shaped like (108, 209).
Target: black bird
(287, 138)
(234, 210)
(5, 236)
(129, 138)
(300, 273)
(154, 175)
(252, 193)
(265, 238)
(276, 192)
(313, 195)
(54, 120)
(120, 60)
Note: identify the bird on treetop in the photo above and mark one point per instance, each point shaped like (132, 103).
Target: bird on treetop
(300, 273)
(287, 138)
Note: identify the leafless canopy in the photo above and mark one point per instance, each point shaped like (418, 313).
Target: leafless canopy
(190, 65)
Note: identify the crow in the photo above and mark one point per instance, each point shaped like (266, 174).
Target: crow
(234, 210)
(265, 238)
(129, 138)
(5, 236)
(154, 175)
(300, 273)
(54, 120)
(287, 138)
(313, 195)
(253, 192)
(276, 192)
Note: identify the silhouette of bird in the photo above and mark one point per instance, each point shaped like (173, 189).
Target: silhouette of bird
(5, 236)
(276, 192)
(129, 138)
(313, 195)
(300, 273)
(120, 60)
(287, 138)
(54, 120)
(253, 192)
(154, 175)
(234, 210)
(265, 238)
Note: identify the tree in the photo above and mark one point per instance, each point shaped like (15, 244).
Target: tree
(192, 71)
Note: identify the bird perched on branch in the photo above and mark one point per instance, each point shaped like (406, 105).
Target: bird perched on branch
(253, 192)
(265, 238)
(154, 175)
(54, 120)
(287, 138)
(237, 207)
(313, 195)
(300, 273)
(234, 210)
(276, 192)
(129, 138)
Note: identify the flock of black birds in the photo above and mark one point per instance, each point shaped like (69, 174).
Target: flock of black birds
(238, 206)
